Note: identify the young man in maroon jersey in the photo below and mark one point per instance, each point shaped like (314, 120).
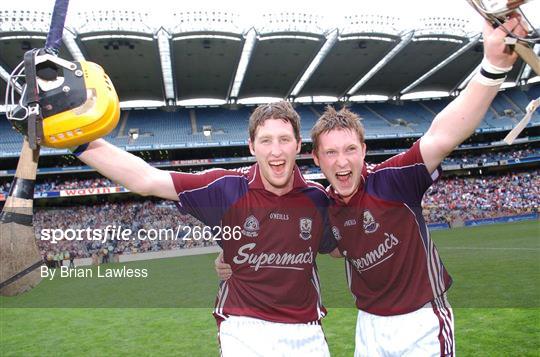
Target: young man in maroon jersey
(272, 225)
(392, 266)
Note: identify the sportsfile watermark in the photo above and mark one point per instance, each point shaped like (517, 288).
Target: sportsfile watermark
(119, 233)
(491, 266)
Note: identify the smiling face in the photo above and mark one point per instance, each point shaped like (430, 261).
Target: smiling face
(340, 155)
(275, 147)
(339, 149)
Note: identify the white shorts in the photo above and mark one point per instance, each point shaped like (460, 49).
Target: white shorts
(246, 336)
(428, 331)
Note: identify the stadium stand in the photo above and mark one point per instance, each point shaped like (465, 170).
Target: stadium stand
(518, 97)
(458, 158)
(309, 116)
(451, 198)
(374, 122)
(177, 54)
(156, 126)
(533, 92)
(482, 197)
(410, 117)
(224, 122)
(10, 140)
(437, 106)
(136, 216)
(184, 125)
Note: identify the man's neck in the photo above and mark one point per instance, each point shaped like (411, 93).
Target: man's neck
(279, 191)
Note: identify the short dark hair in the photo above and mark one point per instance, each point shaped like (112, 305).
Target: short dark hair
(334, 120)
(279, 110)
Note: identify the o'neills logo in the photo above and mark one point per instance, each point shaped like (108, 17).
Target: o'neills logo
(272, 260)
(376, 256)
(279, 216)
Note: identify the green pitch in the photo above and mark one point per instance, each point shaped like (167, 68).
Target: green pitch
(496, 300)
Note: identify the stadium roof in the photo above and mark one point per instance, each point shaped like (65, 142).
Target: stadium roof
(193, 54)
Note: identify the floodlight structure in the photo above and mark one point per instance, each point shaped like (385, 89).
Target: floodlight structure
(123, 29)
(113, 20)
(34, 24)
(27, 21)
(444, 25)
(204, 21)
(246, 35)
(371, 24)
(291, 21)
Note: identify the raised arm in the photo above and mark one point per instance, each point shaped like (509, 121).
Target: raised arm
(128, 170)
(462, 116)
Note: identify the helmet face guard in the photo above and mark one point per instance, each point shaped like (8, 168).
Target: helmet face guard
(61, 103)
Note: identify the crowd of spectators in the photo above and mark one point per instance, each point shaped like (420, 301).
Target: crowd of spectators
(450, 199)
(137, 218)
(458, 158)
(56, 184)
(487, 196)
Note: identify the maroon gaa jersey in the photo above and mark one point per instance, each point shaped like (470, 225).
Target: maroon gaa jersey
(392, 265)
(272, 252)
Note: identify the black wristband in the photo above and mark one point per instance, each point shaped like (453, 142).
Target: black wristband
(492, 75)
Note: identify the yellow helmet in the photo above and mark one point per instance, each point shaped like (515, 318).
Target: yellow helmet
(77, 103)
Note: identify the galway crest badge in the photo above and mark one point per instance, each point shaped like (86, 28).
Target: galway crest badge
(305, 228)
(370, 225)
(251, 227)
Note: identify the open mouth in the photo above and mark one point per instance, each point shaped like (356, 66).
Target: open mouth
(277, 166)
(343, 176)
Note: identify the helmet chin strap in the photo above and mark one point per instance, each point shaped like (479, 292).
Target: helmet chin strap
(35, 128)
(30, 102)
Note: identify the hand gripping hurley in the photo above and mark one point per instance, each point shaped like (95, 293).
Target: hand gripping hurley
(496, 11)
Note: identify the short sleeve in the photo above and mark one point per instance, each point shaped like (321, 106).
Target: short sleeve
(209, 194)
(402, 178)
